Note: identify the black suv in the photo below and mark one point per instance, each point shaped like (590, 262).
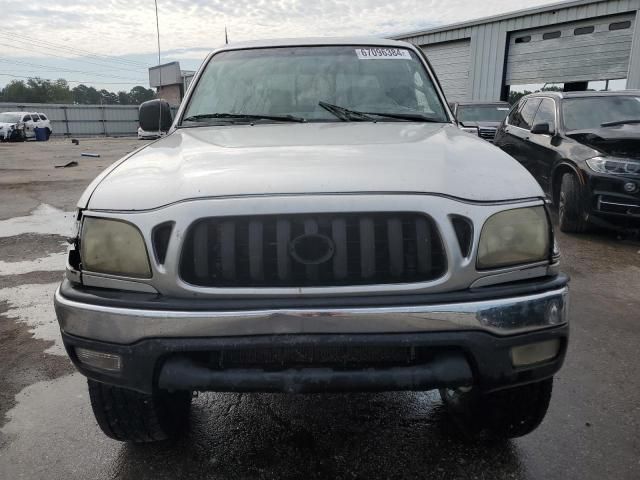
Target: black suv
(584, 150)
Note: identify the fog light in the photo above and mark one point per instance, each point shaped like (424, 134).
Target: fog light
(99, 360)
(534, 353)
(630, 187)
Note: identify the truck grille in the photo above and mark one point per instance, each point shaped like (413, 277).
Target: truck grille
(487, 133)
(312, 250)
(315, 356)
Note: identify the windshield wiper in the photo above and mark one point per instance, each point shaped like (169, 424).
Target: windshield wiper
(243, 116)
(346, 114)
(418, 117)
(619, 122)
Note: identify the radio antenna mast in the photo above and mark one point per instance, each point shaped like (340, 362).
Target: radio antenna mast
(159, 70)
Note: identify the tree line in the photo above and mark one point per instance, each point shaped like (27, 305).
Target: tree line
(514, 97)
(38, 90)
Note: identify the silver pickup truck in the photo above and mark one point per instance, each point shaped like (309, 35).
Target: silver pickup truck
(314, 221)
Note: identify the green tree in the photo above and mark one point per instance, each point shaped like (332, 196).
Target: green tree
(124, 98)
(514, 97)
(16, 91)
(139, 94)
(108, 98)
(85, 95)
(38, 90)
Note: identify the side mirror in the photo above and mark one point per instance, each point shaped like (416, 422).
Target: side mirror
(155, 116)
(541, 129)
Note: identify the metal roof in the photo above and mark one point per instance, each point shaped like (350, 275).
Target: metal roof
(496, 18)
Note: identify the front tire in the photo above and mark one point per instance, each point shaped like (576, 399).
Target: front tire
(500, 415)
(131, 416)
(572, 215)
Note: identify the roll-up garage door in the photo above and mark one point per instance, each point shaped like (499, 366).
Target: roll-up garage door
(596, 49)
(450, 61)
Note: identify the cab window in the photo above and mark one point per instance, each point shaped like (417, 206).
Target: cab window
(546, 114)
(523, 117)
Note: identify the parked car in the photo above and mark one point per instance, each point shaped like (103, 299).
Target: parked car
(314, 221)
(481, 118)
(584, 150)
(22, 125)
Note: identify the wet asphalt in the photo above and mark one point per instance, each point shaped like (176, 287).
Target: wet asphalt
(47, 430)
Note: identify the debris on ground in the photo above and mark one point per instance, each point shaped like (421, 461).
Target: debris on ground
(75, 141)
(72, 163)
(92, 155)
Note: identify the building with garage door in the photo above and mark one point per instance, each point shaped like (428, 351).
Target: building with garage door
(570, 43)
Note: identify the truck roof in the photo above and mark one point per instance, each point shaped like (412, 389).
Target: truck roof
(316, 41)
(585, 94)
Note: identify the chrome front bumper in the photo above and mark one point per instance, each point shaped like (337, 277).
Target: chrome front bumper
(499, 316)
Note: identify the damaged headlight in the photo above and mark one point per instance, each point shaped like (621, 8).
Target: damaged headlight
(614, 166)
(114, 247)
(514, 237)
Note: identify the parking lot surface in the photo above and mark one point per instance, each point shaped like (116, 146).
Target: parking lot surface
(47, 430)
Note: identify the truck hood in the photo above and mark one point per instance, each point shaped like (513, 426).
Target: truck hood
(271, 159)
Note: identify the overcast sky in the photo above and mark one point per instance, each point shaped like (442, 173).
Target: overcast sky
(109, 43)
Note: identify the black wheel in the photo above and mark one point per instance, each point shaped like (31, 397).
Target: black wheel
(509, 413)
(572, 214)
(131, 416)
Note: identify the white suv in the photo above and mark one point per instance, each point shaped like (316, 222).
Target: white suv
(22, 125)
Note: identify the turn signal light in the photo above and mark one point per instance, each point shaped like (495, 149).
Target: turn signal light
(533, 353)
(99, 360)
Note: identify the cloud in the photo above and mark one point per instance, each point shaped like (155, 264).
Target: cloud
(190, 28)
(118, 27)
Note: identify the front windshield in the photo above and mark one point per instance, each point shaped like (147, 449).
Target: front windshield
(592, 112)
(483, 113)
(295, 80)
(9, 117)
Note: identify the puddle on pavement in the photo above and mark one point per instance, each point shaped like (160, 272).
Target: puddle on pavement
(45, 219)
(51, 263)
(41, 438)
(33, 305)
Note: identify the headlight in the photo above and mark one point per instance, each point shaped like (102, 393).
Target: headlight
(514, 237)
(115, 247)
(614, 166)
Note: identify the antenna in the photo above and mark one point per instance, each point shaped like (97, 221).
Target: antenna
(226, 38)
(159, 70)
